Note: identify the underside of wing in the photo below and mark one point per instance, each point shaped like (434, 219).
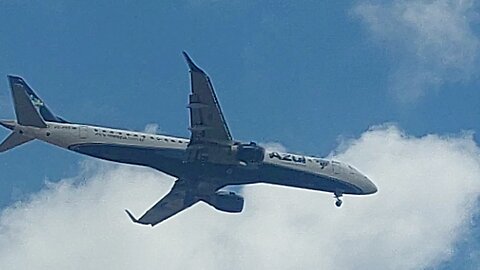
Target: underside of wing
(178, 199)
(210, 139)
(207, 122)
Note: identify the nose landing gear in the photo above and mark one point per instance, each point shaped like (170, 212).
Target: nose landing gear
(339, 201)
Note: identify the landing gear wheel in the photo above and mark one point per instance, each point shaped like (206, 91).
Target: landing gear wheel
(339, 201)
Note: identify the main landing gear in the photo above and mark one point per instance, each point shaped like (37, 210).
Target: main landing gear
(339, 201)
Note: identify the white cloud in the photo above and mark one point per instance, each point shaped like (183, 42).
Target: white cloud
(274, 146)
(433, 42)
(152, 128)
(427, 190)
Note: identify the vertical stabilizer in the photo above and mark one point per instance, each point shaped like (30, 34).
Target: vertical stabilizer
(27, 114)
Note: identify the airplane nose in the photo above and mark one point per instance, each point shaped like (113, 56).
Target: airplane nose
(368, 186)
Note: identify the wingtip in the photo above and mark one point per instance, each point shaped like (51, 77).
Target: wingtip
(190, 63)
(134, 220)
(131, 216)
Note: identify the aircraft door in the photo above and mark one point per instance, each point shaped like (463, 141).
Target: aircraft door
(325, 165)
(83, 132)
(335, 168)
(338, 168)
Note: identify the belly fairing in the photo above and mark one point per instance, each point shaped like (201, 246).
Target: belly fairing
(168, 160)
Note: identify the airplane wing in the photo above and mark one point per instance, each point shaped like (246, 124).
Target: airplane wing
(209, 131)
(178, 199)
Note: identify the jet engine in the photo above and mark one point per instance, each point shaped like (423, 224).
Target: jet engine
(250, 153)
(226, 201)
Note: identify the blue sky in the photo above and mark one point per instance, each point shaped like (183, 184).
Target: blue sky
(302, 73)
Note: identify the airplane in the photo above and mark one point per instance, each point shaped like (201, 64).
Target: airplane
(203, 164)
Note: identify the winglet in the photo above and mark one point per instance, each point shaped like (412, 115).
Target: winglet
(191, 64)
(131, 216)
(136, 220)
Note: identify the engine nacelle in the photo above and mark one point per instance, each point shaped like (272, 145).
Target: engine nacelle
(226, 201)
(250, 153)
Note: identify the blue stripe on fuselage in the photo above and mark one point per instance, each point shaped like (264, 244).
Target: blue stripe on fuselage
(274, 174)
(170, 161)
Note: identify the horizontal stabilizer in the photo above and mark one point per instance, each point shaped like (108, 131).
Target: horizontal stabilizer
(13, 140)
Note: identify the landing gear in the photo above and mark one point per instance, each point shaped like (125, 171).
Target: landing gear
(339, 201)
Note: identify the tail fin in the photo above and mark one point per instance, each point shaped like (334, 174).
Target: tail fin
(45, 113)
(25, 110)
(13, 140)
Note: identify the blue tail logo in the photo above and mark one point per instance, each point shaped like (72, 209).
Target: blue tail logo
(36, 101)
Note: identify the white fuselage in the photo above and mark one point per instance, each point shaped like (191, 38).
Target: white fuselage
(166, 153)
